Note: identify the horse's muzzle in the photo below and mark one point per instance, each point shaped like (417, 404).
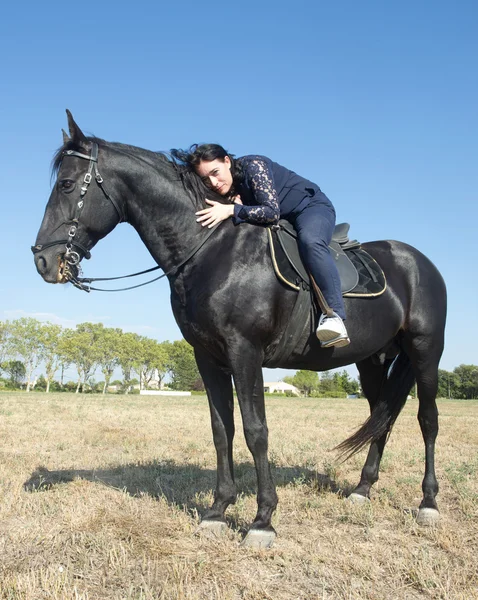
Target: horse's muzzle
(54, 268)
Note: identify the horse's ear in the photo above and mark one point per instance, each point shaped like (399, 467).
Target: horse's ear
(66, 137)
(75, 132)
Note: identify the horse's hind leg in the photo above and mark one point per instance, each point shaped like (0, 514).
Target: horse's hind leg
(221, 405)
(372, 375)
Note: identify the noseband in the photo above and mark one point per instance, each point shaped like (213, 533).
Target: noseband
(72, 257)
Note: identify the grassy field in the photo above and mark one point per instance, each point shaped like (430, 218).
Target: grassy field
(100, 498)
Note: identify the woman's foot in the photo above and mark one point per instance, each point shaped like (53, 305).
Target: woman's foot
(332, 332)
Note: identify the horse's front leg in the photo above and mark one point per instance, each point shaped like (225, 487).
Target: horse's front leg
(221, 405)
(247, 372)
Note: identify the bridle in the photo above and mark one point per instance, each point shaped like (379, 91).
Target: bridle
(73, 258)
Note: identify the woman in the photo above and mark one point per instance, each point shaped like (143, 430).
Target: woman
(261, 192)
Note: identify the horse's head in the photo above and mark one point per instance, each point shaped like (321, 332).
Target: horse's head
(80, 211)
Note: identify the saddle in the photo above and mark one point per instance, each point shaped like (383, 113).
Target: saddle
(360, 277)
(360, 274)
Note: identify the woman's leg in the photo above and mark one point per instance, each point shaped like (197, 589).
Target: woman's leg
(315, 225)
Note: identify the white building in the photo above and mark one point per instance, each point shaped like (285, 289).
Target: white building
(280, 387)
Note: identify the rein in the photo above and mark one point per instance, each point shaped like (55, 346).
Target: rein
(83, 283)
(73, 258)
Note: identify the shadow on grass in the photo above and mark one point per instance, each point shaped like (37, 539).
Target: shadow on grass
(184, 485)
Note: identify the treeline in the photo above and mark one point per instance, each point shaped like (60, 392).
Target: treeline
(26, 344)
(461, 383)
(325, 385)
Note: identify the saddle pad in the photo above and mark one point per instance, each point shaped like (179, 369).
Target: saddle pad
(372, 281)
(360, 275)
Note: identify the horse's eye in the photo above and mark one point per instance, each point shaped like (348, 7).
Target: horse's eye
(67, 185)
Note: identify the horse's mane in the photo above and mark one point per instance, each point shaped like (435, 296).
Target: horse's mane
(190, 181)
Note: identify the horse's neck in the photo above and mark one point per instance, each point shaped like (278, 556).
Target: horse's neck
(163, 214)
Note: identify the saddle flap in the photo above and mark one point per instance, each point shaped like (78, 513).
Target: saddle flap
(359, 274)
(286, 237)
(348, 273)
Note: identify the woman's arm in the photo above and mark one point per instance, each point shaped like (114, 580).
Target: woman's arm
(267, 210)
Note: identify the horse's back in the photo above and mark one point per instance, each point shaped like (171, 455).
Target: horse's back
(407, 261)
(414, 280)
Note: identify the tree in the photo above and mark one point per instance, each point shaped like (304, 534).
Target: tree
(468, 381)
(5, 338)
(26, 343)
(163, 361)
(80, 347)
(51, 335)
(16, 370)
(306, 381)
(153, 359)
(183, 367)
(347, 384)
(326, 383)
(337, 387)
(108, 353)
(448, 384)
(129, 349)
(65, 351)
(462, 382)
(41, 383)
(88, 354)
(353, 387)
(337, 384)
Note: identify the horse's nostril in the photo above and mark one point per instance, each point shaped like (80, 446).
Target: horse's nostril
(41, 265)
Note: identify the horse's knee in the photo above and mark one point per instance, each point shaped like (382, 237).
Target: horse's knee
(222, 442)
(256, 437)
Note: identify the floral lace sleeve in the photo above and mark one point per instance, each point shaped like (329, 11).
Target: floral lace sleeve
(267, 210)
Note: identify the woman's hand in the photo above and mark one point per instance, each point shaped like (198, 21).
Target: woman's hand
(214, 215)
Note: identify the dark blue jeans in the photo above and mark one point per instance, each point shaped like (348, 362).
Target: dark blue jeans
(315, 224)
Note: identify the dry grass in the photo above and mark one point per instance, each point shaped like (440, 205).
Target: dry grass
(116, 485)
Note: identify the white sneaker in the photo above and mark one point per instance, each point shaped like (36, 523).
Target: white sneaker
(331, 331)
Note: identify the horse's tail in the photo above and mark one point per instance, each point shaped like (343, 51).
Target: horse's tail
(394, 391)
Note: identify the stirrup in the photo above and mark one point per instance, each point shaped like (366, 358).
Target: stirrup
(338, 342)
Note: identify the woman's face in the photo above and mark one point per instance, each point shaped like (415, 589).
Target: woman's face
(216, 174)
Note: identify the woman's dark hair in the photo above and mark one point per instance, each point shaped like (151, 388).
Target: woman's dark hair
(193, 156)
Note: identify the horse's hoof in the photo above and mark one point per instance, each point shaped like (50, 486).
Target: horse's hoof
(428, 517)
(259, 538)
(358, 499)
(212, 528)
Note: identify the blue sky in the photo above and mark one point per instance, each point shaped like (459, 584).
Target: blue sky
(374, 101)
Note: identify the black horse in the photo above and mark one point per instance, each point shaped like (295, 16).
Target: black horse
(231, 307)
